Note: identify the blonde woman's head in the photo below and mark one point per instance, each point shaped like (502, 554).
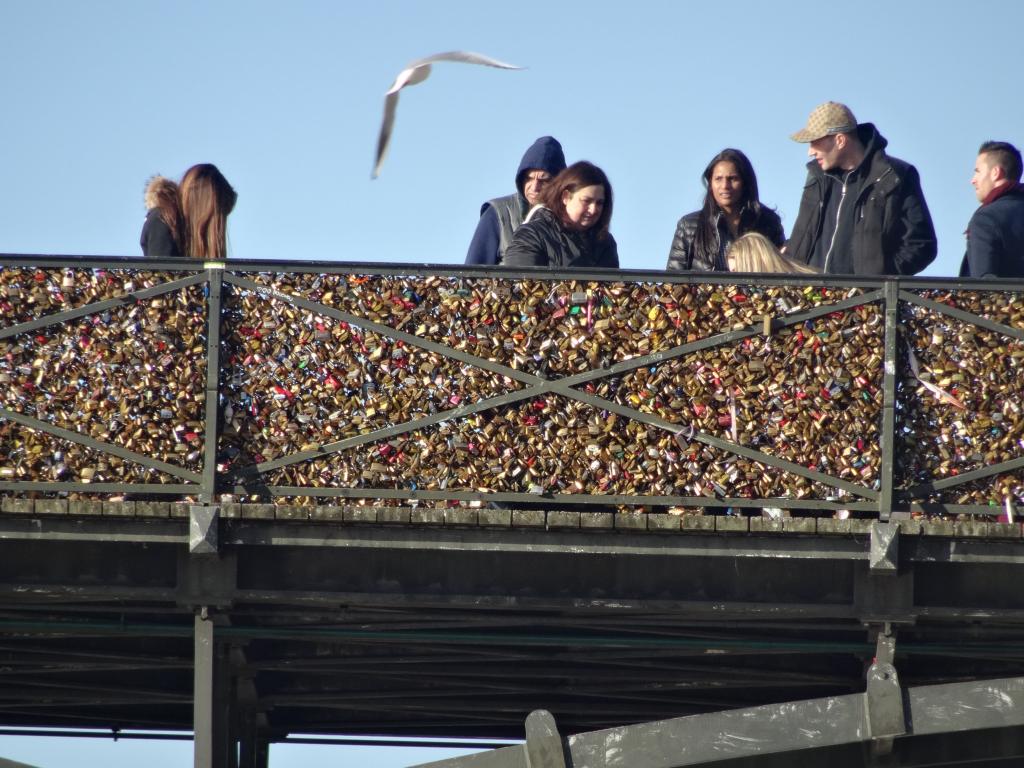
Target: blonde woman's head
(753, 252)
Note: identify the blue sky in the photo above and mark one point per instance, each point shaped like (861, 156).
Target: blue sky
(67, 752)
(286, 99)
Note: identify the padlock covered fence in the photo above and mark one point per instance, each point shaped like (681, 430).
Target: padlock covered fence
(319, 382)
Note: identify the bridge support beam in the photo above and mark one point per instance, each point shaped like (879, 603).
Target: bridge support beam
(211, 698)
(253, 747)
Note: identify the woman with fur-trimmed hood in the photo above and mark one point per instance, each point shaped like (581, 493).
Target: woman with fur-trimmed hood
(164, 226)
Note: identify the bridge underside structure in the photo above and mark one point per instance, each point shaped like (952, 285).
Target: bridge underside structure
(248, 626)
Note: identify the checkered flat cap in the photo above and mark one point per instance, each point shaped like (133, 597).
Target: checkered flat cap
(826, 119)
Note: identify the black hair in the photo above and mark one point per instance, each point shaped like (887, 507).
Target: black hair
(1004, 155)
(705, 242)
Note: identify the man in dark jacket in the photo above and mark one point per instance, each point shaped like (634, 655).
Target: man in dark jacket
(995, 234)
(501, 217)
(862, 211)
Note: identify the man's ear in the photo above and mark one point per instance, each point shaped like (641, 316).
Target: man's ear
(997, 173)
(841, 141)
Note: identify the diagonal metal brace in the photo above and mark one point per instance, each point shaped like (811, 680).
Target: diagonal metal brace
(203, 523)
(775, 733)
(543, 744)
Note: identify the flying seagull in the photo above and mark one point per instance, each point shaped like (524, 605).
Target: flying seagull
(417, 72)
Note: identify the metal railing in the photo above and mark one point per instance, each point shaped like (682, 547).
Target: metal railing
(426, 383)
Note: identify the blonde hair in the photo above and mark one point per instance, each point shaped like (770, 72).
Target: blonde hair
(206, 201)
(162, 193)
(753, 252)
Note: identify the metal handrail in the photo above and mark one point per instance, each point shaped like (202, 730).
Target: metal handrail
(287, 283)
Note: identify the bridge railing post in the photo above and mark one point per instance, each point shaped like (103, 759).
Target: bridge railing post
(215, 274)
(887, 479)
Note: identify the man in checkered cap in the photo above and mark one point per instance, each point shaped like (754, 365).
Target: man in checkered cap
(862, 211)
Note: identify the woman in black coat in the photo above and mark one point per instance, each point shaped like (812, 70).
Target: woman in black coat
(162, 230)
(731, 209)
(570, 226)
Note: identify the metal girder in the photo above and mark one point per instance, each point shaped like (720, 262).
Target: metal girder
(210, 703)
(98, 445)
(209, 580)
(242, 533)
(778, 728)
(254, 748)
(99, 530)
(95, 308)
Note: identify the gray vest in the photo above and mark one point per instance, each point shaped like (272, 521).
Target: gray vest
(510, 217)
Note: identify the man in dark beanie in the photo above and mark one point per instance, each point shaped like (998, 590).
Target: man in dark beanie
(501, 217)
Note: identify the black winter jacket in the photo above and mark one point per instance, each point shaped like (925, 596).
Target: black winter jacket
(995, 238)
(156, 238)
(683, 254)
(893, 234)
(544, 242)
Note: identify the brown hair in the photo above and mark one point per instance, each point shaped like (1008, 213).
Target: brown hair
(206, 201)
(753, 252)
(162, 193)
(577, 176)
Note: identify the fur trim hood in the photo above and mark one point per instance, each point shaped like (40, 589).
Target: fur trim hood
(159, 189)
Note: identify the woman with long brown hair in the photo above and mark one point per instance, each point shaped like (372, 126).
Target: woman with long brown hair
(206, 201)
(569, 228)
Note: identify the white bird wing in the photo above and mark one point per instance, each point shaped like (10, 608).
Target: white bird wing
(417, 72)
(411, 75)
(384, 138)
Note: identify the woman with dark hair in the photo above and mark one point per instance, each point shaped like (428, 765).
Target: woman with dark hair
(731, 208)
(569, 228)
(206, 201)
(162, 230)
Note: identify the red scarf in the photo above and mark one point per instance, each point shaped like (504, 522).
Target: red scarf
(998, 192)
